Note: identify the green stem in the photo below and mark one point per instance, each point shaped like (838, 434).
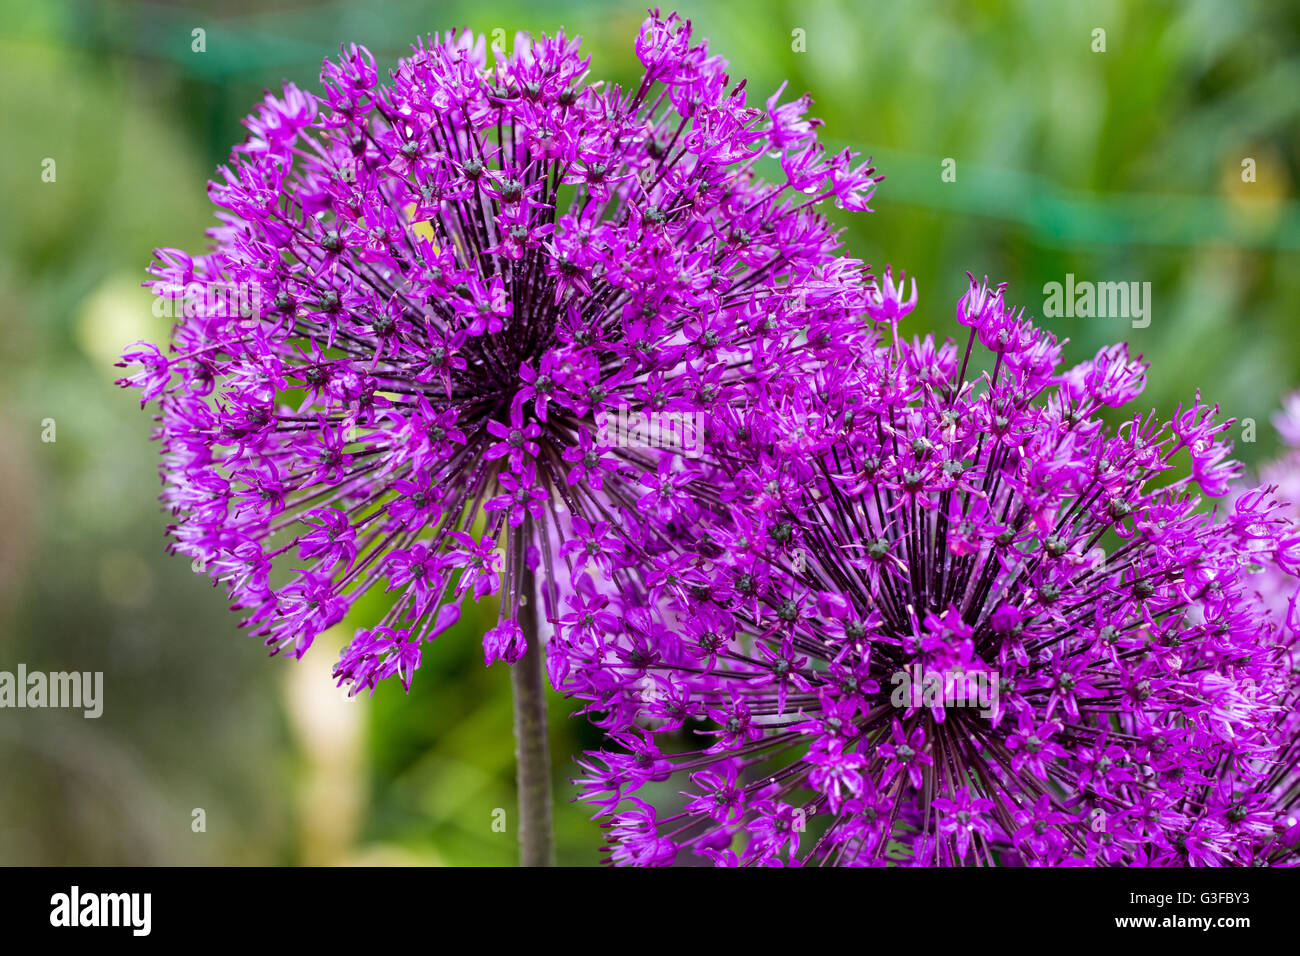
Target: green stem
(532, 748)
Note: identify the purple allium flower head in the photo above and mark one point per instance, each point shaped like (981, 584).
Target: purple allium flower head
(425, 294)
(938, 616)
(1277, 593)
(1277, 584)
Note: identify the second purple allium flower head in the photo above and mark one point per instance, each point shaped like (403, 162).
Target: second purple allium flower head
(938, 617)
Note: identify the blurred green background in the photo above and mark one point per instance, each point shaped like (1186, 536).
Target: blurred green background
(1115, 166)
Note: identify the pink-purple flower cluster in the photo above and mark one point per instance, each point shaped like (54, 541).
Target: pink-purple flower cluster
(890, 514)
(454, 275)
(1278, 590)
(907, 601)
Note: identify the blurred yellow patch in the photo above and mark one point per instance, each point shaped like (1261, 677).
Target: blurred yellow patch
(422, 228)
(329, 730)
(1253, 178)
(117, 313)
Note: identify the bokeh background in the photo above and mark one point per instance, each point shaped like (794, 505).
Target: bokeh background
(1115, 166)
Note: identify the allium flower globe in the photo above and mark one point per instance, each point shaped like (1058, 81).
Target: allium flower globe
(1276, 592)
(1277, 586)
(938, 616)
(454, 275)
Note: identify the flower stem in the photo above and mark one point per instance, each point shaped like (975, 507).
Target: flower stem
(532, 748)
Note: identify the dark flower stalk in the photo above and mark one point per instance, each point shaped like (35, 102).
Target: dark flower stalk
(425, 296)
(940, 617)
